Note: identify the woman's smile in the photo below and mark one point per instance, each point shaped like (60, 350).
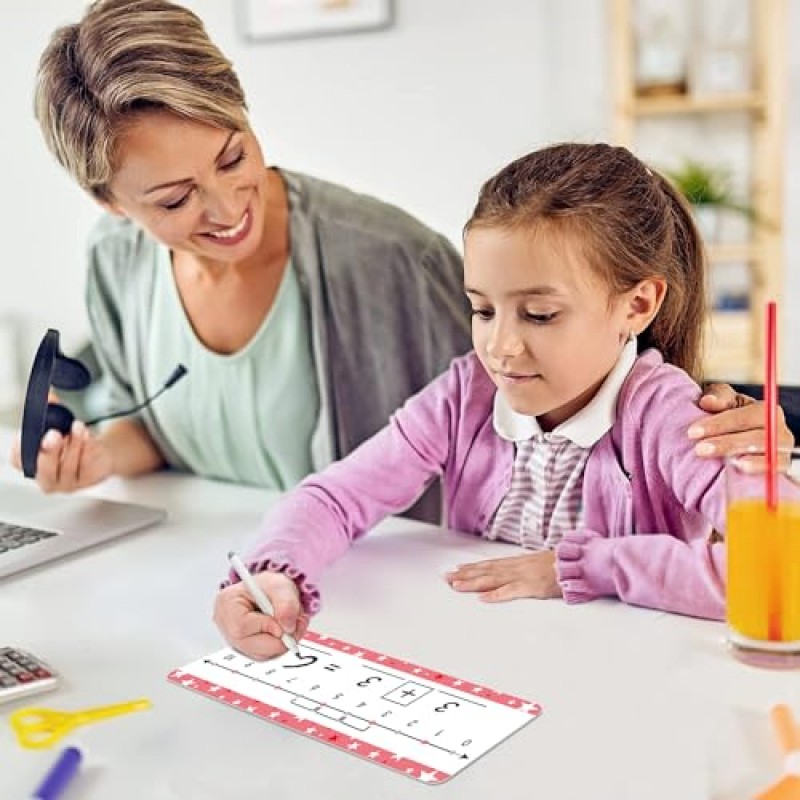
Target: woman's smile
(234, 235)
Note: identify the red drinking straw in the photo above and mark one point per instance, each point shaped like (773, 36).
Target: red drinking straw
(774, 624)
(771, 408)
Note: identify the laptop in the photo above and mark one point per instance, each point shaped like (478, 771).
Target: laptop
(36, 528)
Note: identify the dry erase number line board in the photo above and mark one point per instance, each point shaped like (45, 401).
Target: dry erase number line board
(413, 720)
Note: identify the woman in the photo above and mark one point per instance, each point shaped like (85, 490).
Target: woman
(305, 313)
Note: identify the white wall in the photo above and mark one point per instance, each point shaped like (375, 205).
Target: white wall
(419, 115)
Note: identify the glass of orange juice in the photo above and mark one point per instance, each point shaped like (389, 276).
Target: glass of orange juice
(763, 558)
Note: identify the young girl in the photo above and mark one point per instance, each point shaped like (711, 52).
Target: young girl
(564, 430)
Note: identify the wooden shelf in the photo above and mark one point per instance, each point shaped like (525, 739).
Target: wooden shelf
(691, 104)
(733, 253)
(729, 346)
(731, 323)
(735, 341)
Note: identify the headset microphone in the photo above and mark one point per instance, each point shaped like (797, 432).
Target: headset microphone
(176, 375)
(52, 367)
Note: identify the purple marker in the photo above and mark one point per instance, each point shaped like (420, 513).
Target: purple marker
(59, 776)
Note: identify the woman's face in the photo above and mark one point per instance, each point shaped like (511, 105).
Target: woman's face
(193, 187)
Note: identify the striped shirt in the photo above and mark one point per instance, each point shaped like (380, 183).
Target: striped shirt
(544, 500)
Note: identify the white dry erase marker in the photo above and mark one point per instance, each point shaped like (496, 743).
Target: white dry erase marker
(261, 600)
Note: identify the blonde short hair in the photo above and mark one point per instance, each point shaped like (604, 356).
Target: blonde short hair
(124, 58)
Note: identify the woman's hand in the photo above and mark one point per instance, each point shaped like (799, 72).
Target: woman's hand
(249, 631)
(737, 423)
(67, 463)
(500, 579)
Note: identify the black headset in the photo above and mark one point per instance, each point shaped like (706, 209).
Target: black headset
(52, 368)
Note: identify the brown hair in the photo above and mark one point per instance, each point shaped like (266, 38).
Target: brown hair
(631, 223)
(123, 58)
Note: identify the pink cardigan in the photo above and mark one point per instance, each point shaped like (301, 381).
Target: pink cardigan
(649, 504)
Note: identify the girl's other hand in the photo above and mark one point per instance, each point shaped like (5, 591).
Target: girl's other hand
(500, 579)
(249, 631)
(67, 463)
(737, 422)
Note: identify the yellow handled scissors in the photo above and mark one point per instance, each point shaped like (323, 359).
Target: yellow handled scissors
(43, 727)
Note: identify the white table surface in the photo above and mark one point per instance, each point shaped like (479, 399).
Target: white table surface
(638, 705)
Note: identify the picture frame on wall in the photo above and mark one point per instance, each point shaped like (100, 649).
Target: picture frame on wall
(270, 20)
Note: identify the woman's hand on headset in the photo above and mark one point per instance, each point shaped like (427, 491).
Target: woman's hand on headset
(67, 463)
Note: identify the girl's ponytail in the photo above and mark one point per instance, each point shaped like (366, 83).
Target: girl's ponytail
(677, 330)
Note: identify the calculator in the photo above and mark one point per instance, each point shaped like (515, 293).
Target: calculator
(22, 674)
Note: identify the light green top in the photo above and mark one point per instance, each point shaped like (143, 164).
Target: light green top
(226, 419)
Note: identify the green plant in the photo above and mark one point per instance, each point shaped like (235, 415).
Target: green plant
(703, 184)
